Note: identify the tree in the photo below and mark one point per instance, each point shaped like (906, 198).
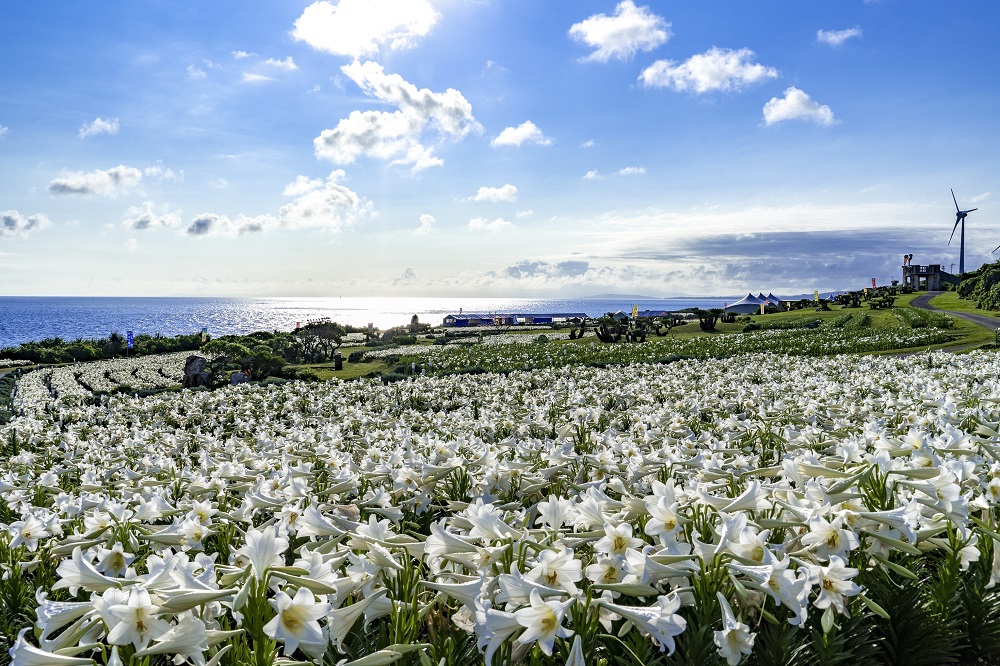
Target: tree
(708, 318)
(114, 345)
(316, 342)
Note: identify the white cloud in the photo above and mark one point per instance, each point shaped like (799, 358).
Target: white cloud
(12, 224)
(594, 174)
(409, 277)
(132, 244)
(482, 224)
(395, 136)
(4, 130)
(324, 204)
(589, 143)
(526, 132)
(301, 185)
(240, 55)
(524, 213)
(249, 77)
(716, 69)
(427, 223)
(106, 183)
(210, 224)
(358, 28)
(506, 193)
(837, 37)
(287, 65)
(99, 126)
(796, 105)
(195, 73)
(980, 197)
(159, 172)
(150, 216)
(630, 30)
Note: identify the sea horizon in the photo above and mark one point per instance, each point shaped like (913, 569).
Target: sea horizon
(33, 318)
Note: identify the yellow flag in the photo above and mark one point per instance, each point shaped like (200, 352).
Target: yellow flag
(635, 312)
(816, 296)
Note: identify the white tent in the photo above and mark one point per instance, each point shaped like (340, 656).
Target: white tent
(748, 305)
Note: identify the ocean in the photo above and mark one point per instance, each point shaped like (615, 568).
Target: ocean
(26, 319)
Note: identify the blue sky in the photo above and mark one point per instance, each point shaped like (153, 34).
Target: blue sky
(492, 148)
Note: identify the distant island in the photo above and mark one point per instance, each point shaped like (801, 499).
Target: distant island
(632, 297)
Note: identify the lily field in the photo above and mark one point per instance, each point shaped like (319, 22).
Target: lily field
(772, 497)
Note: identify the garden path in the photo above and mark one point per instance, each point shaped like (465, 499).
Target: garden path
(924, 301)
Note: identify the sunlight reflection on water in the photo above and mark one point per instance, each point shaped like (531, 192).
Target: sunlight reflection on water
(23, 319)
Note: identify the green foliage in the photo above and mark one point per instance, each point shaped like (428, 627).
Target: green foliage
(708, 318)
(913, 634)
(316, 342)
(983, 286)
(7, 383)
(56, 350)
(790, 324)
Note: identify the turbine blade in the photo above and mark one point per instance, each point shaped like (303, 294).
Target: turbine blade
(971, 209)
(995, 249)
(955, 200)
(953, 230)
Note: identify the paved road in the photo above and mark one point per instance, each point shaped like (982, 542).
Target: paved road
(924, 301)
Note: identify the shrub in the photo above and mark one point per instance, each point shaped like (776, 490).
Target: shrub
(307, 375)
(390, 377)
(355, 357)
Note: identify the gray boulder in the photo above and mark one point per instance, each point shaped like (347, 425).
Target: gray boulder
(196, 372)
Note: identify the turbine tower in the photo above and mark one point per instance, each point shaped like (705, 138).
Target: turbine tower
(960, 216)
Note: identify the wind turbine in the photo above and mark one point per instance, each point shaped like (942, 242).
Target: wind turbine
(960, 216)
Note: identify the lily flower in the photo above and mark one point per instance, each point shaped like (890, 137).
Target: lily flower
(187, 638)
(78, 572)
(138, 623)
(834, 584)
(557, 569)
(264, 549)
(735, 639)
(543, 622)
(297, 619)
(660, 621)
(24, 653)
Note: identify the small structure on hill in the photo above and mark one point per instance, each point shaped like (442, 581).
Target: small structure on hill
(928, 277)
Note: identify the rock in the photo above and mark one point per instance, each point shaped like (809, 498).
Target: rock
(196, 372)
(237, 378)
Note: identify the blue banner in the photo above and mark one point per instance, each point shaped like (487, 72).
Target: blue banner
(128, 337)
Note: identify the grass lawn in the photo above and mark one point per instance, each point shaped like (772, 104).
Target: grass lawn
(950, 301)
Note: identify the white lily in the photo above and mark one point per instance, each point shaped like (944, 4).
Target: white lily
(297, 619)
(138, 623)
(543, 622)
(735, 639)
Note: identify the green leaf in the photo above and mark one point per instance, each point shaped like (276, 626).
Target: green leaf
(874, 607)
